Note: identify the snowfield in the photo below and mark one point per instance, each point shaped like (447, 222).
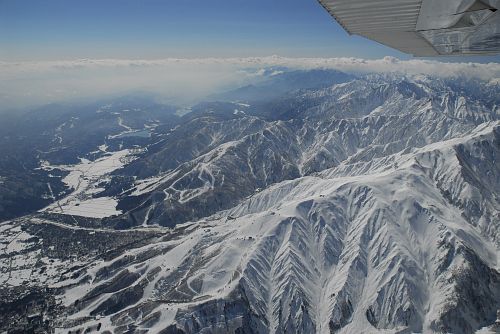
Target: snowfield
(372, 207)
(83, 178)
(382, 250)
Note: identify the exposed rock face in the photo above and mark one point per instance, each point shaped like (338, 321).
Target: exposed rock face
(372, 206)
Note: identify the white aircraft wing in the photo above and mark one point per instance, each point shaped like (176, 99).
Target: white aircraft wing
(423, 27)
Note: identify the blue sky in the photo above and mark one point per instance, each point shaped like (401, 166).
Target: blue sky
(149, 29)
(55, 29)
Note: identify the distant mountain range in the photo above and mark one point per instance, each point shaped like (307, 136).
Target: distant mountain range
(314, 201)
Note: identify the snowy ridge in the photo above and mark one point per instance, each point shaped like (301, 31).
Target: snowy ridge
(373, 207)
(232, 159)
(386, 251)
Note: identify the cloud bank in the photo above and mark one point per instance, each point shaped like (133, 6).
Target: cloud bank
(181, 81)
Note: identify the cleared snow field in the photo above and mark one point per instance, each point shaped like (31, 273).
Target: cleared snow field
(83, 179)
(95, 207)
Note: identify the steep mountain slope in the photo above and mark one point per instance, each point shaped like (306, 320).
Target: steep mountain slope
(371, 206)
(389, 249)
(226, 160)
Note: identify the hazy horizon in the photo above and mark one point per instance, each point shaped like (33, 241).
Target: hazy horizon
(179, 81)
(182, 51)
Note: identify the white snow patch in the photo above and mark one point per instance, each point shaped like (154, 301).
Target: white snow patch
(83, 178)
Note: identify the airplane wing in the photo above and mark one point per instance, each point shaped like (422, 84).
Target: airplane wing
(423, 27)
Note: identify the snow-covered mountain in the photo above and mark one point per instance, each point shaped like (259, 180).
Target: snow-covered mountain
(368, 206)
(225, 160)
